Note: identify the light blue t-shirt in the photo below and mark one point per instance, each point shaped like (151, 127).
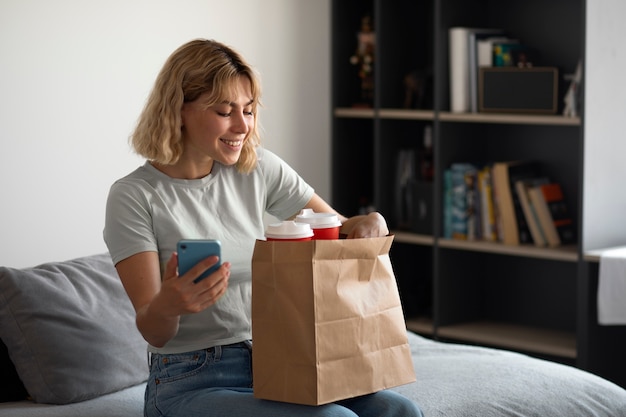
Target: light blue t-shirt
(150, 211)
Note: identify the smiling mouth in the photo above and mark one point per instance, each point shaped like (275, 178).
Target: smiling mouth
(232, 142)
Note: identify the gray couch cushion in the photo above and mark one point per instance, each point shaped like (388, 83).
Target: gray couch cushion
(70, 330)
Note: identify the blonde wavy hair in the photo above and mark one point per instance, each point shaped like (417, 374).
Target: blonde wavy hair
(197, 67)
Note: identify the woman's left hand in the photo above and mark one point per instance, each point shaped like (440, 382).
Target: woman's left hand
(371, 225)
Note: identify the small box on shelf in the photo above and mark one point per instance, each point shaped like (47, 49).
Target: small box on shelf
(518, 90)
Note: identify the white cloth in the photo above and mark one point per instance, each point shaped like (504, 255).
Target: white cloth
(612, 287)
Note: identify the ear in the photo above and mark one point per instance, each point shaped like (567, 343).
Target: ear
(184, 110)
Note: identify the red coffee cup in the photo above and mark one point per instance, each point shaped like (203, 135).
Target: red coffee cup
(324, 225)
(289, 231)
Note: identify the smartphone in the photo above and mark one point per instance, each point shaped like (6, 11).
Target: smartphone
(192, 251)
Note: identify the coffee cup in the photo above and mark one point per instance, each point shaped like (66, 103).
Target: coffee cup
(324, 225)
(289, 230)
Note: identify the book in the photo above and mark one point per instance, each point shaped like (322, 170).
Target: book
(556, 223)
(459, 60)
(460, 211)
(521, 188)
(484, 49)
(487, 209)
(405, 182)
(513, 54)
(513, 223)
(459, 69)
(447, 203)
(472, 204)
(474, 36)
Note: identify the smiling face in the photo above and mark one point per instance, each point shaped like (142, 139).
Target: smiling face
(217, 132)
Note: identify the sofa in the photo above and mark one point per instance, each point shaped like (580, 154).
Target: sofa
(70, 348)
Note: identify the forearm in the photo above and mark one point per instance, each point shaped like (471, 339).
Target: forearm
(155, 328)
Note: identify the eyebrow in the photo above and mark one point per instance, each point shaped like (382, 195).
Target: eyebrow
(233, 104)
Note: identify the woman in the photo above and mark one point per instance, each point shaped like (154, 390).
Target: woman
(206, 177)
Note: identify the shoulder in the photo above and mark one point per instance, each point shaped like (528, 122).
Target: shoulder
(267, 157)
(135, 185)
(270, 161)
(141, 173)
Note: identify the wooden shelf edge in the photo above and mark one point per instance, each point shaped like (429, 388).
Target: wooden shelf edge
(414, 238)
(515, 337)
(507, 118)
(407, 114)
(410, 114)
(568, 253)
(370, 113)
(358, 113)
(592, 256)
(420, 325)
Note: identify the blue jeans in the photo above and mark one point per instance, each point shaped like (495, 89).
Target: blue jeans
(217, 382)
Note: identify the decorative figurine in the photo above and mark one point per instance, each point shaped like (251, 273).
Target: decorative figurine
(572, 96)
(417, 94)
(364, 58)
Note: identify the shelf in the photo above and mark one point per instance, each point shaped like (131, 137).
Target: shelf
(413, 238)
(506, 118)
(401, 114)
(356, 113)
(567, 253)
(502, 118)
(405, 114)
(563, 253)
(521, 338)
(592, 256)
(420, 325)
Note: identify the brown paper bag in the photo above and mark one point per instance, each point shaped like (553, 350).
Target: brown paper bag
(327, 323)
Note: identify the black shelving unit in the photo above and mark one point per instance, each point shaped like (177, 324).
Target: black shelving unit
(525, 298)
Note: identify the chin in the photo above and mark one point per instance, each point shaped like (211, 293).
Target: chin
(228, 161)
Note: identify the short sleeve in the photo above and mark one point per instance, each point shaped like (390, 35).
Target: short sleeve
(128, 226)
(287, 191)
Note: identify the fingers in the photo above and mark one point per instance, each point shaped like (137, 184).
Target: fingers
(181, 295)
(373, 225)
(200, 268)
(216, 289)
(170, 267)
(211, 289)
(217, 282)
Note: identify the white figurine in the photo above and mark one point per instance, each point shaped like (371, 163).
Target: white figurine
(571, 97)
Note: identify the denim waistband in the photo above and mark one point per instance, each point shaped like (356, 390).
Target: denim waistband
(247, 344)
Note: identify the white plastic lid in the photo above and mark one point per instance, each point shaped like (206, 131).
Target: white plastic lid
(318, 220)
(288, 229)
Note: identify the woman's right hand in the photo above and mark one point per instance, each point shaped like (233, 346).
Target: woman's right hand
(159, 303)
(181, 295)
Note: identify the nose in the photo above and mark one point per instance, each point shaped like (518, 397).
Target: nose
(239, 122)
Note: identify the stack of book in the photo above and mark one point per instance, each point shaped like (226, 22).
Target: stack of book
(508, 202)
(473, 48)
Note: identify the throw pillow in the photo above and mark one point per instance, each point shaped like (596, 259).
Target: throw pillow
(70, 330)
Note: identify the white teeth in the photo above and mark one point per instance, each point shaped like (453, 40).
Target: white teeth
(232, 142)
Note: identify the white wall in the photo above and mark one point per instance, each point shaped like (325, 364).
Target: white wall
(74, 75)
(605, 111)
